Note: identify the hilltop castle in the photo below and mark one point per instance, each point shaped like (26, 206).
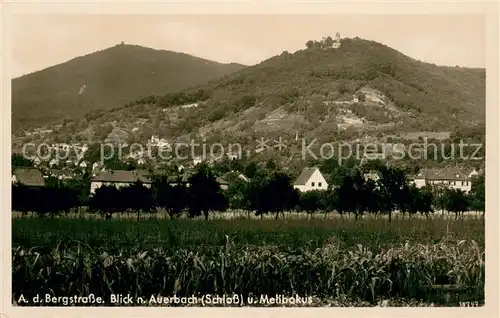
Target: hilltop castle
(336, 42)
(326, 43)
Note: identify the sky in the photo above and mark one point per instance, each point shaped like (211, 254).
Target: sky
(40, 41)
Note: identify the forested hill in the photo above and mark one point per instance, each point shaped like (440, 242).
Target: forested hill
(106, 79)
(361, 89)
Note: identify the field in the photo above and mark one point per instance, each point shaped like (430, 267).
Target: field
(337, 262)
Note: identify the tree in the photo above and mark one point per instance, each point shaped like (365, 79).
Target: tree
(392, 185)
(172, 198)
(205, 194)
(81, 188)
(105, 200)
(345, 194)
(43, 200)
(330, 201)
(251, 170)
(477, 193)
(373, 165)
(237, 195)
(115, 163)
(438, 191)
(328, 167)
(455, 201)
(370, 197)
(18, 160)
(310, 44)
(25, 199)
(420, 200)
(328, 43)
(360, 192)
(271, 165)
(273, 195)
(319, 44)
(136, 197)
(361, 97)
(342, 88)
(312, 201)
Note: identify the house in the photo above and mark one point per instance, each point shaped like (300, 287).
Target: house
(174, 180)
(154, 140)
(61, 174)
(163, 143)
(233, 176)
(30, 177)
(197, 161)
(53, 162)
(310, 179)
(372, 175)
(118, 179)
(96, 168)
(224, 185)
(243, 177)
(141, 161)
(234, 155)
(473, 173)
(450, 177)
(159, 142)
(83, 164)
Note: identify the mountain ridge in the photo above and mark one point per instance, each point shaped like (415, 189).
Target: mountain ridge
(361, 90)
(52, 93)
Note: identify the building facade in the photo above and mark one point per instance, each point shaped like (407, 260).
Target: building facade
(118, 179)
(453, 178)
(310, 179)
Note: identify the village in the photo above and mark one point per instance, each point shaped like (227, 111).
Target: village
(310, 178)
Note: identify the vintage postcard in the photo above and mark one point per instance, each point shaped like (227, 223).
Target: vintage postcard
(209, 160)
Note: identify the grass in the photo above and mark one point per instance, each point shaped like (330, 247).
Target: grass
(337, 262)
(374, 234)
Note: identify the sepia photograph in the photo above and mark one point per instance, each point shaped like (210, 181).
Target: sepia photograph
(252, 160)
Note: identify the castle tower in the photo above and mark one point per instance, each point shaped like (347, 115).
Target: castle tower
(336, 43)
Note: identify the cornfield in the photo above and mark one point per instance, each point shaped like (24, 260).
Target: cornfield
(324, 263)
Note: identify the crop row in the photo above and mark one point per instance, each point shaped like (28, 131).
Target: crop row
(405, 271)
(183, 234)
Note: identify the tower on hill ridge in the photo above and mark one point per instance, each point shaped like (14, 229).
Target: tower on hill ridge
(336, 43)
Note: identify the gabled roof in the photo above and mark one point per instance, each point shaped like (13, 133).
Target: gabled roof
(443, 174)
(232, 176)
(143, 173)
(121, 176)
(221, 181)
(29, 177)
(304, 176)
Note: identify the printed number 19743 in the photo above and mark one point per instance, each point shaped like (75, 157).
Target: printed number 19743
(469, 304)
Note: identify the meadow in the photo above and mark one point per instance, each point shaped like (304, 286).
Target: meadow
(338, 261)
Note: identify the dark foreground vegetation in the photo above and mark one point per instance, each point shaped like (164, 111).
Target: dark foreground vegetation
(339, 262)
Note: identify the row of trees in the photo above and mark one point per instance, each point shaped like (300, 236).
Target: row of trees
(355, 194)
(325, 43)
(270, 191)
(200, 195)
